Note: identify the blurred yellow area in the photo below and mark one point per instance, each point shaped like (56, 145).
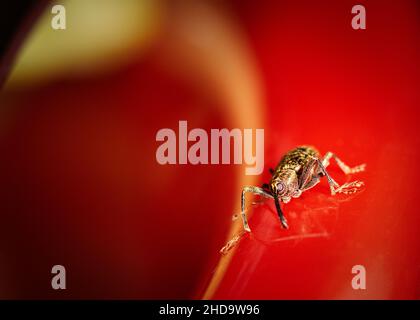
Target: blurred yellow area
(203, 44)
(100, 35)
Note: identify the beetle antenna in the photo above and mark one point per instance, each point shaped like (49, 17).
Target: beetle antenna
(280, 213)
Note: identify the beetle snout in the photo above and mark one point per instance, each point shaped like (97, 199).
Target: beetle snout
(281, 188)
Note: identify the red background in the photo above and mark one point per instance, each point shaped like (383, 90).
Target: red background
(80, 185)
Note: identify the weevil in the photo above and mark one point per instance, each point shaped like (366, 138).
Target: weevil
(299, 170)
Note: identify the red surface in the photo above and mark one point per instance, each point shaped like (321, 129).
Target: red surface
(80, 185)
(354, 93)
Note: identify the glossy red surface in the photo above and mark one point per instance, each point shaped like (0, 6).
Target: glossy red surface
(354, 93)
(80, 185)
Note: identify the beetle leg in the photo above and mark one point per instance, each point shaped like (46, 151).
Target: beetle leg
(307, 173)
(331, 181)
(350, 187)
(311, 175)
(347, 188)
(266, 187)
(254, 190)
(314, 181)
(280, 213)
(346, 169)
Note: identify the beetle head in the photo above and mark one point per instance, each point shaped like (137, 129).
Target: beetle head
(285, 185)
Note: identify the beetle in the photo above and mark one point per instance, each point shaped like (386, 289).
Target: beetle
(299, 170)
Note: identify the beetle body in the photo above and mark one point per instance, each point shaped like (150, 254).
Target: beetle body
(289, 172)
(299, 170)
